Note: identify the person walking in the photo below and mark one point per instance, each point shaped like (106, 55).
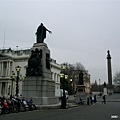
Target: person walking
(104, 99)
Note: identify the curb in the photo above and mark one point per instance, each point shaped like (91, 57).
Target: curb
(55, 106)
(47, 107)
(109, 101)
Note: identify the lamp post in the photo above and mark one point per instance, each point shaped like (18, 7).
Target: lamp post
(99, 86)
(63, 77)
(71, 86)
(17, 79)
(12, 78)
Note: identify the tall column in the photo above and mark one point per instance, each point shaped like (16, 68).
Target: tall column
(109, 71)
(1, 68)
(0, 88)
(6, 88)
(8, 68)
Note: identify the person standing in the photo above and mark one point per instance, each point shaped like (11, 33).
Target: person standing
(88, 100)
(91, 102)
(95, 100)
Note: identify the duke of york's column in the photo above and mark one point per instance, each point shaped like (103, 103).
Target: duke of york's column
(110, 89)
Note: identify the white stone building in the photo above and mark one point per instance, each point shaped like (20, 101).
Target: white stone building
(9, 60)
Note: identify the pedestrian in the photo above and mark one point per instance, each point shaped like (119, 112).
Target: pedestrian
(88, 101)
(95, 100)
(104, 99)
(81, 101)
(91, 100)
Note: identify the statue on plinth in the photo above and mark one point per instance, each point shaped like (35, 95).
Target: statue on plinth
(41, 33)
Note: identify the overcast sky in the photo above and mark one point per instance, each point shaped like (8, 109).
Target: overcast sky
(82, 30)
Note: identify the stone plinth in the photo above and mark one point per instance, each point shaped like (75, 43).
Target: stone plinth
(110, 89)
(80, 93)
(38, 87)
(80, 89)
(45, 100)
(45, 52)
(105, 91)
(41, 88)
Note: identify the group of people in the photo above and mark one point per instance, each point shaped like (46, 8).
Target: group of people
(92, 100)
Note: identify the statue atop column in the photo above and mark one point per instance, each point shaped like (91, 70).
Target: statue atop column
(110, 87)
(105, 84)
(41, 33)
(108, 56)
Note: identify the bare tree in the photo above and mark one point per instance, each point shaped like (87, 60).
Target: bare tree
(116, 78)
(79, 66)
(73, 70)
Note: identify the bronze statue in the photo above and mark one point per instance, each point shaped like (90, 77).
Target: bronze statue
(41, 33)
(108, 52)
(108, 56)
(104, 84)
(34, 63)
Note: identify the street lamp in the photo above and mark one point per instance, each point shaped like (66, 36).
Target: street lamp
(12, 78)
(70, 80)
(71, 86)
(99, 86)
(63, 77)
(21, 78)
(17, 79)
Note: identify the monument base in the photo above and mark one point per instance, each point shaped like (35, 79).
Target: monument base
(80, 89)
(110, 90)
(104, 91)
(40, 87)
(45, 100)
(42, 91)
(80, 93)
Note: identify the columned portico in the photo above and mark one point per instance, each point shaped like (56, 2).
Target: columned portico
(5, 73)
(5, 67)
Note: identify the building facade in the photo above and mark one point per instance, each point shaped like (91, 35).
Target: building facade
(86, 79)
(9, 60)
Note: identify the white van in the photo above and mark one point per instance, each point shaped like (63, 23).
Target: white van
(66, 93)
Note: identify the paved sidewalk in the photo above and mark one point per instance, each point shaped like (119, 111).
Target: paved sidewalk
(71, 102)
(110, 98)
(71, 105)
(55, 106)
